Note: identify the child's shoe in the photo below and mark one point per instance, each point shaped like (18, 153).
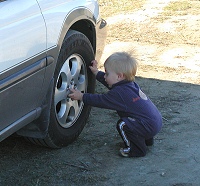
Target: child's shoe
(124, 152)
(149, 142)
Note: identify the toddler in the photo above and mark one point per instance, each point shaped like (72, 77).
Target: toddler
(139, 120)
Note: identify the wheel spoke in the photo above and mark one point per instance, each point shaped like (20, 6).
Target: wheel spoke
(76, 68)
(66, 71)
(68, 113)
(60, 94)
(64, 115)
(76, 107)
(81, 85)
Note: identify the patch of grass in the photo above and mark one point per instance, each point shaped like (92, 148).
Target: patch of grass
(113, 7)
(180, 7)
(126, 33)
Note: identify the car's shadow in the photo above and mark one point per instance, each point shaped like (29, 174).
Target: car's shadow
(93, 153)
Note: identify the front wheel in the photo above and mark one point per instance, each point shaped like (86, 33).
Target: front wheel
(68, 117)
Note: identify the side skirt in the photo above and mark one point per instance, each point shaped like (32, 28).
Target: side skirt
(19, 123)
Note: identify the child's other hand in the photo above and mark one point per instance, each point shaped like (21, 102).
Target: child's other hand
(94, 67)
(75, 94)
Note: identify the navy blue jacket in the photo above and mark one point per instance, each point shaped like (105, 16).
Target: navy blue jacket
(131, 104)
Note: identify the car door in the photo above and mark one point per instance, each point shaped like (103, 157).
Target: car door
(22, 61)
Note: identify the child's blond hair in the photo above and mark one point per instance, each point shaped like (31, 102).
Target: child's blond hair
(122, 62)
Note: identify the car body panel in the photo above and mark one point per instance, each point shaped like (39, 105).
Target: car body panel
(21, 93)
(19, 26)
(23, 47)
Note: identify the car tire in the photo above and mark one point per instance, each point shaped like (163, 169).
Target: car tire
(68, 117)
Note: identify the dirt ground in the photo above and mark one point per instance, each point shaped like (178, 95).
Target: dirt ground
(169, 73)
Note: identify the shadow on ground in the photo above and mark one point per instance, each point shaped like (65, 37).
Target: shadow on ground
(93, 158)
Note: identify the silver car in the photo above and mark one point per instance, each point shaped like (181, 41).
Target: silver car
(46, 47)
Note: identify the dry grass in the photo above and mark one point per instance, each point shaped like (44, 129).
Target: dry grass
(182, 8)
(115, 7)
(176, 14)
(178, 6)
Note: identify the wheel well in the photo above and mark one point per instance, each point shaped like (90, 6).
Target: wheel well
(88, 29)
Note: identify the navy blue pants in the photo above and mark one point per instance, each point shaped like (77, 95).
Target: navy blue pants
(137, 143)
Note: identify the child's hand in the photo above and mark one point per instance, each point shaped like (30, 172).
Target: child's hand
(94, 68)
(75, 94)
